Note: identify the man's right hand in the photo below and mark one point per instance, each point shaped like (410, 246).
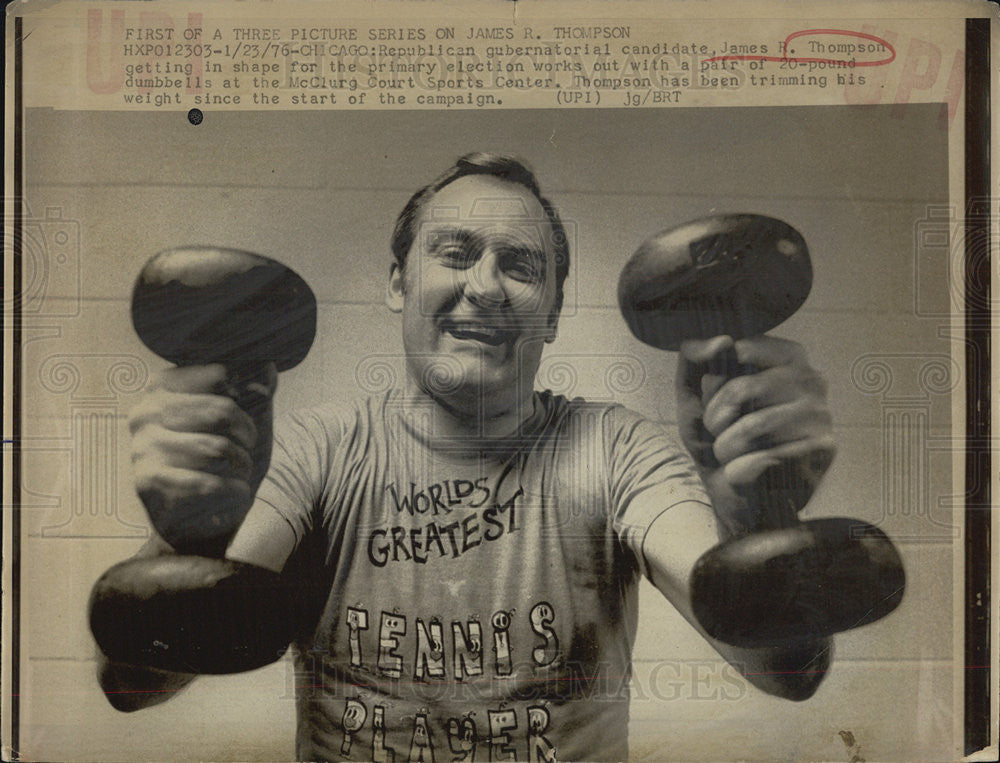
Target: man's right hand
(201, 444)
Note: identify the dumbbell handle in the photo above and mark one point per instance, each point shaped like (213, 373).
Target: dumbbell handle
(777, 580)
(248, 385)
(189, 613)
(779, 492)
(773, 580)
(205, 305)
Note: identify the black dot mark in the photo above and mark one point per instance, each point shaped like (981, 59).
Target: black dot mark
(195, 116)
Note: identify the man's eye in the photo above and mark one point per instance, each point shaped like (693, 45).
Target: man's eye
(454, 255)
(525, 266)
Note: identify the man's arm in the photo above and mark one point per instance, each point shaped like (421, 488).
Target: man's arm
(168, 613)
(737, 428)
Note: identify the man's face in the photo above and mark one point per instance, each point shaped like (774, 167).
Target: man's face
(478, 295)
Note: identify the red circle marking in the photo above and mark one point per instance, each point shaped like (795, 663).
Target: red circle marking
(804, 60)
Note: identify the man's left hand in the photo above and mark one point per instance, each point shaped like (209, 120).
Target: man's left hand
(770, 416)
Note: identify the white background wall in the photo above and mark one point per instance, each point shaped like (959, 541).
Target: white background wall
(320, 192)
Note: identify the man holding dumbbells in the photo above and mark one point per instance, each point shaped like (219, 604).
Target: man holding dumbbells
(454, 562)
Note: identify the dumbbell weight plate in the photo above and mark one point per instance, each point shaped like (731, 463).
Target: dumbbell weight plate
(775, 587)
(198, 305)
(162, 612)
(737, 274)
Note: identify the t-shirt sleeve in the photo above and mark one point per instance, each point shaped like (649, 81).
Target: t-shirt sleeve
(649, 473)
(298, 475)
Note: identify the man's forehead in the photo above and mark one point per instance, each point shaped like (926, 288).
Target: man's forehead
(485, 198)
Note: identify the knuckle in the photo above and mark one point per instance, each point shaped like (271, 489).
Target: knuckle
(812, 412)
(136, 420)
(148, 409)
(172, 378)
(685, 353)
(223, 456)
(785, 376)
(735, 391)
(207, 485)
(804, 407)
(220, 414)
(149, 444)
(826, 443)
(212, 447)
(198, 484)
(144, 477)
(139, 447)
(820, 385)
(825, 418)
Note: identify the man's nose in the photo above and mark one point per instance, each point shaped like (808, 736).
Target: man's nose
(484, 281)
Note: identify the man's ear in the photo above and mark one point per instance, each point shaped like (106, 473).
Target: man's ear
(395, 289)
(552, 327)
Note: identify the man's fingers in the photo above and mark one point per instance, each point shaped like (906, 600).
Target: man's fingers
(209, 378)
(704, 351)
(164, 487)
(771, 427)
(811, 457)
(745, 394)
(268, 383)
(210, 453)
(201, 443)
(700, 365)
(212, 414)
(767, 351)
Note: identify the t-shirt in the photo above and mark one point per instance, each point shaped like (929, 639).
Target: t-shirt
(478, 598)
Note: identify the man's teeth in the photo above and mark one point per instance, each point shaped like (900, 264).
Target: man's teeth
(485, 335)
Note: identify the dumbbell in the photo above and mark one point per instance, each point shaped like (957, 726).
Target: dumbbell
(203, 305)
(194, 611)
(741, 275)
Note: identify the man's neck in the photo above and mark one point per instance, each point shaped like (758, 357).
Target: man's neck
(451, 419)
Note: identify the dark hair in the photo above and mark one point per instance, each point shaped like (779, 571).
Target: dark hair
(481, 163)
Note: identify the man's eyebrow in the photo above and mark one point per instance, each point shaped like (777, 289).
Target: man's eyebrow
(451, 233)
(529, 249)
(457, 234)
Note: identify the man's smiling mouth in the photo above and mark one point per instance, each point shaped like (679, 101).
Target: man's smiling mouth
(478, 332)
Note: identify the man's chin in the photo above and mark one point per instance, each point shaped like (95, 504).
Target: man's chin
(477, 392)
